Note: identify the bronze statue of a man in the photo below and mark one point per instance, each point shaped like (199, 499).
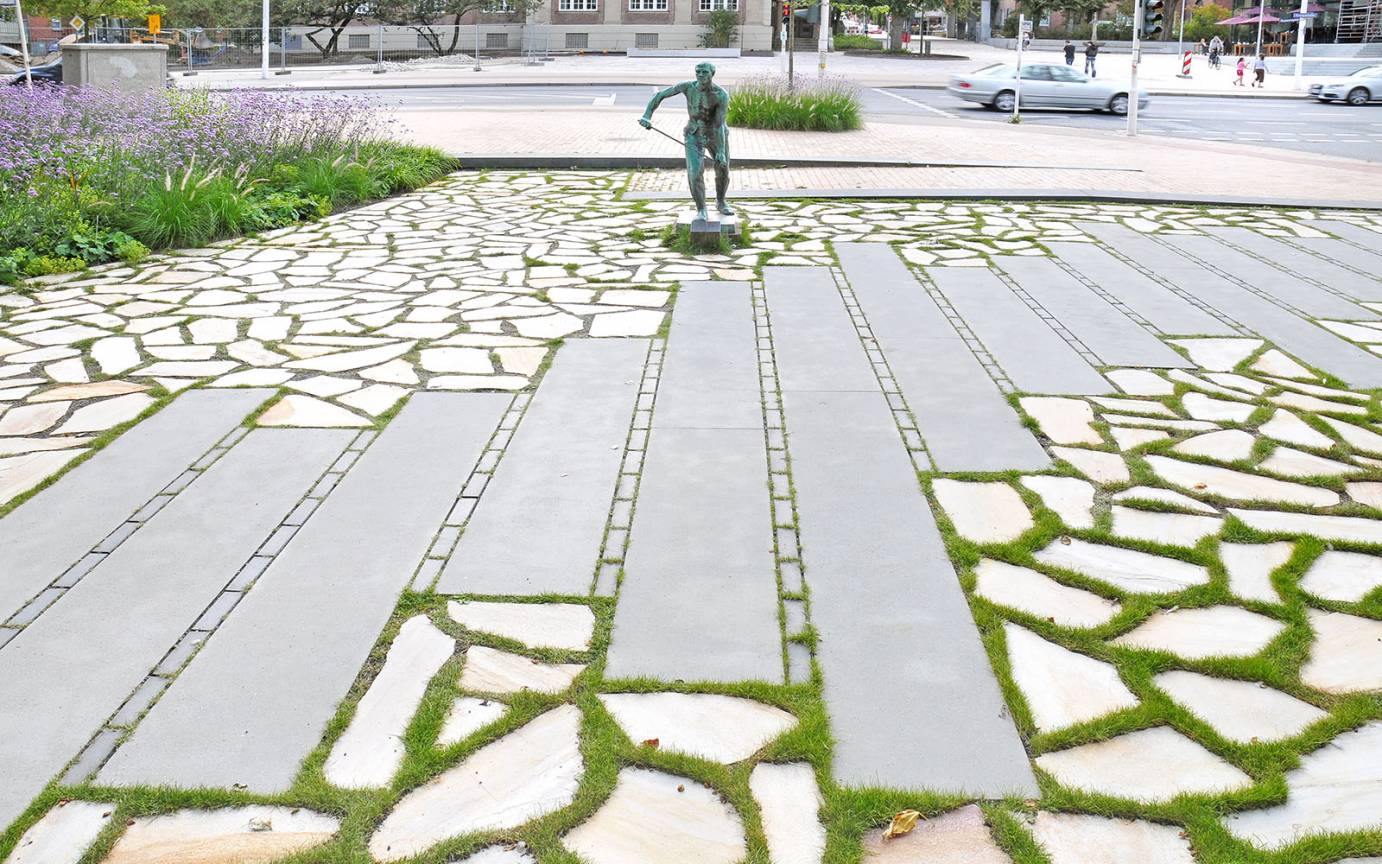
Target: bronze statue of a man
(706, 105)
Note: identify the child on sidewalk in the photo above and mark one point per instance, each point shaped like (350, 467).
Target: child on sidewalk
(1242, 67)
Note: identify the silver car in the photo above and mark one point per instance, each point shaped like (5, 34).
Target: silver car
(1044, 85)
(1359, 88)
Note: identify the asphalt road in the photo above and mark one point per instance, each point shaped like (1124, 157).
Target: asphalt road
(1291, 124)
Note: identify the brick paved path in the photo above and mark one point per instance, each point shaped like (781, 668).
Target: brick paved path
(1022, 516)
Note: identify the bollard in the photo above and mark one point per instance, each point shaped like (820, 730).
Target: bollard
(1184, 65)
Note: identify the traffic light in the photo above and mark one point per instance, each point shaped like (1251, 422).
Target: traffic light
(1153, 13)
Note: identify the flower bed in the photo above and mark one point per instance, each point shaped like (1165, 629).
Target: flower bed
(88, 176)
(831, 105)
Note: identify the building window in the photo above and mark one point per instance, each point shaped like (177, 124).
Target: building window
(499, 7)
(578, 5)
(357, 41)
(714, 5)
(577, 41)
(648, 6)
(646, 41)
(496, 41)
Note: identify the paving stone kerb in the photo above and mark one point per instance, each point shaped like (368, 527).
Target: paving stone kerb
(884, 594)
(70, 670)
(254, 702)
(55, 528)
(699, 597)
(967, 423)
(539, 525)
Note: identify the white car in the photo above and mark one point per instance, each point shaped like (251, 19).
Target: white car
(1043, 85)
(1360, 88)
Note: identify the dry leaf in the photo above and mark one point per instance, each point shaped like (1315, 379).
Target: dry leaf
(902, 823)
(681, 787)
(1201, 485)
(652, 742)
(1065, 540)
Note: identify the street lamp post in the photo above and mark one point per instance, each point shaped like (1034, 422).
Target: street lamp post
(1261, 14)
(1136, 57)
(1021, 37)
(23, 42)
(264, 43)
(824, 46)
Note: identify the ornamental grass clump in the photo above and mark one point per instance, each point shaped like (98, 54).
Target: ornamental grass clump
(173, 168)
(828, 105)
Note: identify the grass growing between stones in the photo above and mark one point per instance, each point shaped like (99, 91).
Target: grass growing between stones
(1277, 665)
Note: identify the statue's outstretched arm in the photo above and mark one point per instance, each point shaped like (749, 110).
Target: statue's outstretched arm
(647, 119)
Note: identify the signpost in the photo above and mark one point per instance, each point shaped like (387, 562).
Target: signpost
(263, 42)
(824, 46)
(1301, 17)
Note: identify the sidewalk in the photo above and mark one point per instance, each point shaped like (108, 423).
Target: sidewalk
(1157, 73)
(938, 155)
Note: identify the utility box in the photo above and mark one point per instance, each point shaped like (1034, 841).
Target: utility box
(115, 66)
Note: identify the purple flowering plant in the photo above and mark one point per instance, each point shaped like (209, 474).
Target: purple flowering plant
(74, 159)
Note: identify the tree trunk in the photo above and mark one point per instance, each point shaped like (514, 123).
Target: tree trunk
(895, 25)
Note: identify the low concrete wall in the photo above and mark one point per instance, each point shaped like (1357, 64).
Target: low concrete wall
(122, 67)
(1105, 47)
(684, 52)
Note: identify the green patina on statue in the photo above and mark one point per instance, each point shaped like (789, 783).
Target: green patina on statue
(706, 107)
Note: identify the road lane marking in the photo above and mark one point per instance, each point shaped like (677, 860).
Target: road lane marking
(914, 103)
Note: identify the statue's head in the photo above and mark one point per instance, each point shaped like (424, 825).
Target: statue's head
(705, 72)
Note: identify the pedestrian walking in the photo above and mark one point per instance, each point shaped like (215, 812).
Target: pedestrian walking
(1203, 47)
(1091, 51)
(1213, 57)
(1242, 67)
(1069, 53)
(1259, 71)
(906, 39)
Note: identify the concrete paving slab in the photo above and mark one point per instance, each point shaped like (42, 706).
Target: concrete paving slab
(1277, 250)
(884, 594)
(51, 531)
(965, 420)
(699, 599)
(712, 389)
(824, 351)
(1034, 356)
(1292, 333)
(255, 700)
(69, 670)
(1247, 270)
(885, 597)
(1167, 311)
(1353, 233)
(539, 525)
(1114, 338)
(1343, 252)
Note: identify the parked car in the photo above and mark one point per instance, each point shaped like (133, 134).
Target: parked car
(1045, 86)
(48, 73)
(1360, 88)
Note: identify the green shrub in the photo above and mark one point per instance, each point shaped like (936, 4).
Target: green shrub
(831, 105)
(721, 29)
(280, 209)
(857, 43)
(46, 265)
(97, 246)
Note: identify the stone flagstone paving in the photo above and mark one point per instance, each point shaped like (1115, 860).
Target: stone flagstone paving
(1183, 610)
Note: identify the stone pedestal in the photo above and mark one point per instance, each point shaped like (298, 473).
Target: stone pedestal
(706, 233)
(115, 66)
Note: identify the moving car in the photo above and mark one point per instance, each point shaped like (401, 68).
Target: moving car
(1359, 88)
(48, 73)
(1043, 85)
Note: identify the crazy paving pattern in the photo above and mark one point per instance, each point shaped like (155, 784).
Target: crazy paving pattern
(1128, 458)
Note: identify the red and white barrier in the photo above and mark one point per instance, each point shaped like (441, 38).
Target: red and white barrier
(1185, 65)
